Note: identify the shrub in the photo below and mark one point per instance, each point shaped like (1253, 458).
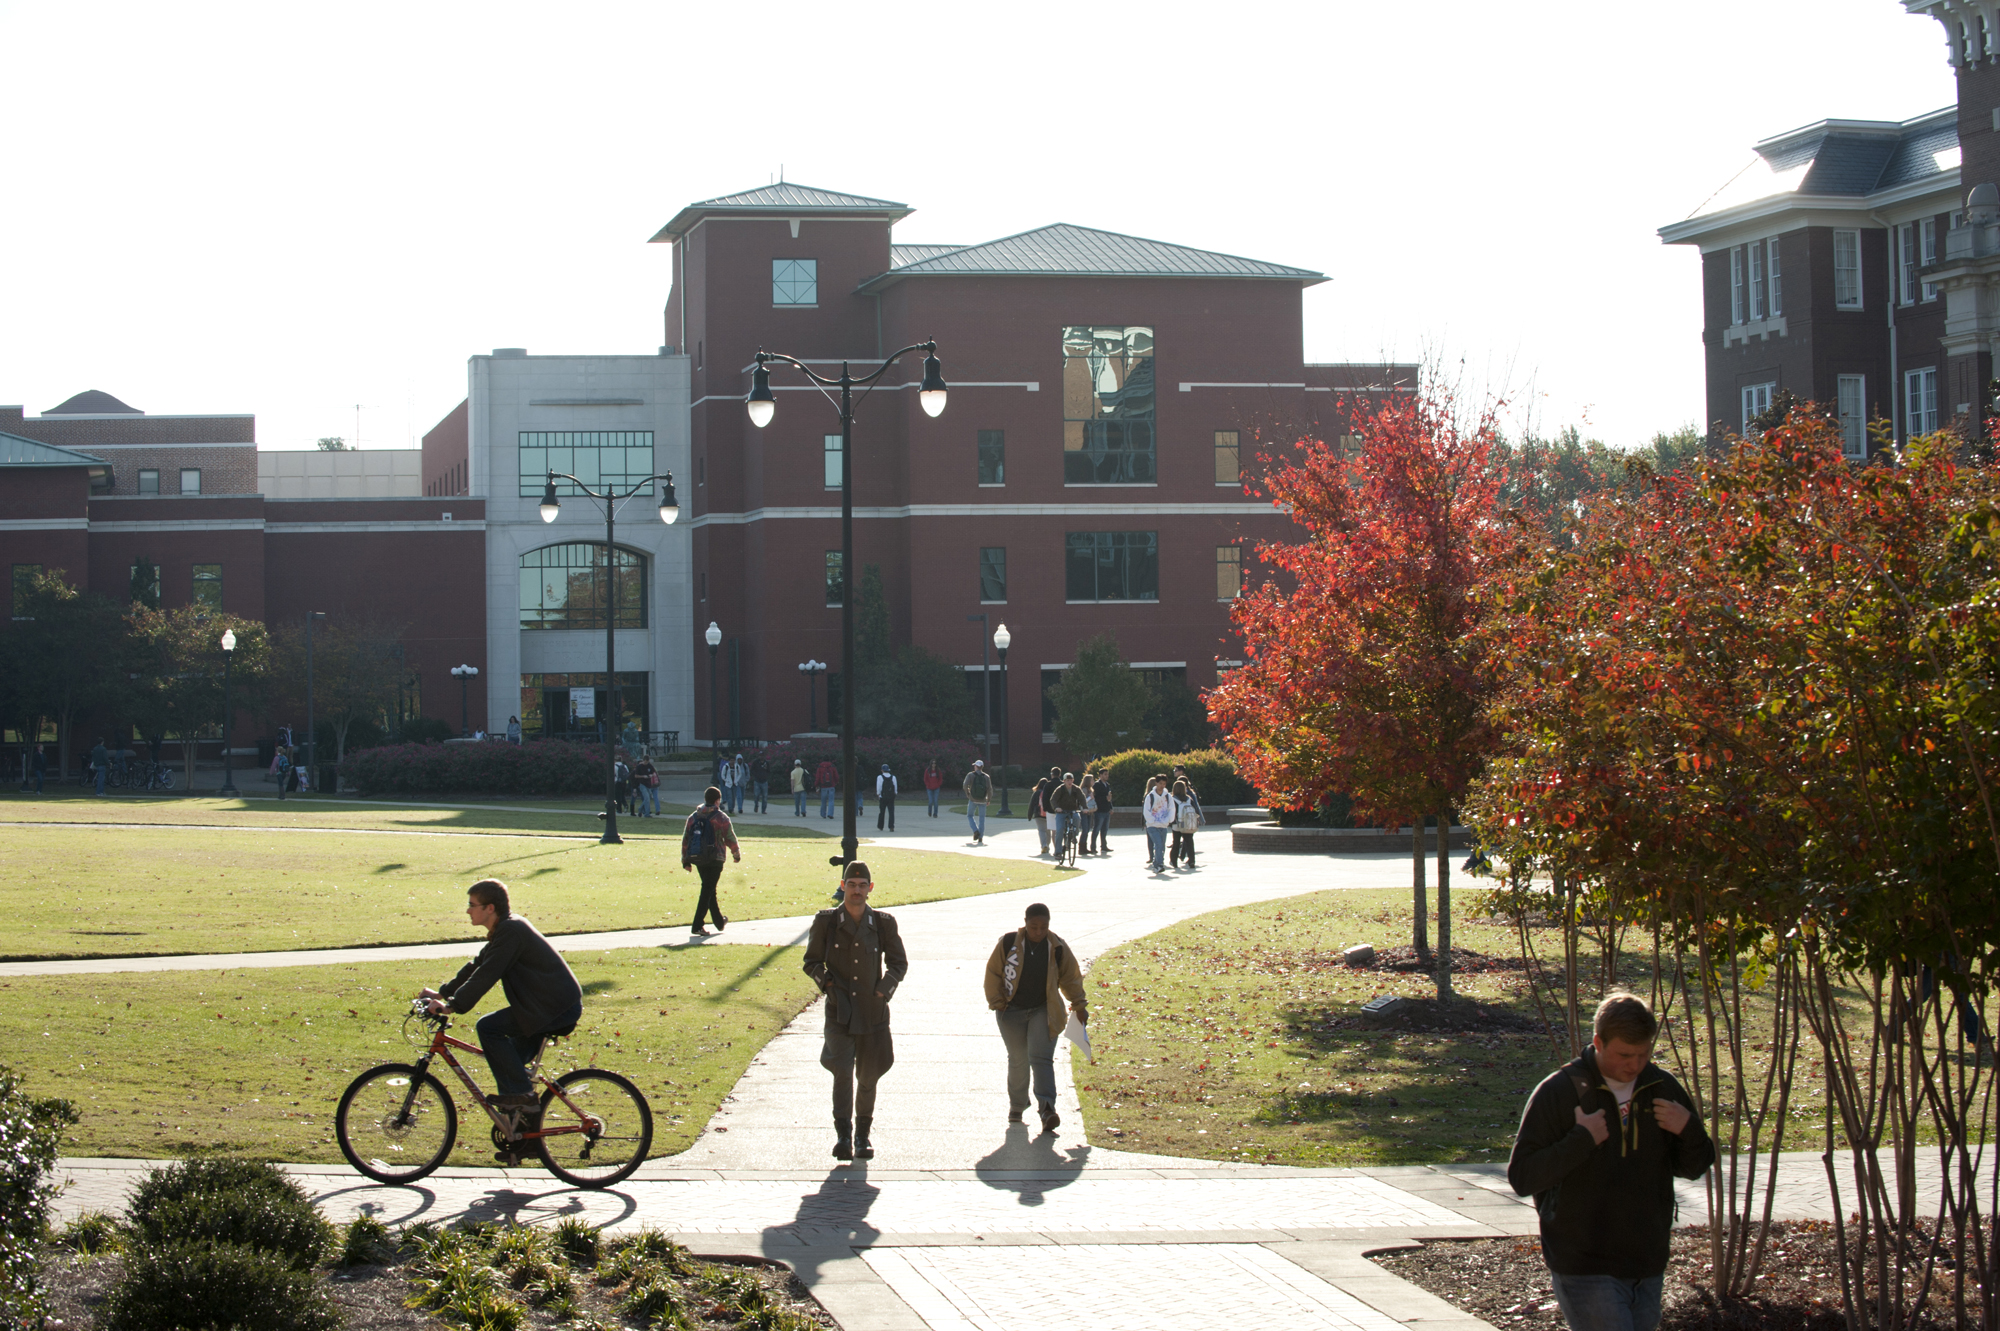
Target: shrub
(224, 1201)
(539, 767)
(579, 1241)
(367, 1242)
(178, 1285)
(1212, 772)
(91, 1233)
(30, 1132)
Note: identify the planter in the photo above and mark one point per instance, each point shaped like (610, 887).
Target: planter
(1271, 839)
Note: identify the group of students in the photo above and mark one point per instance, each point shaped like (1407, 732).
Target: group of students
(1171, 809)
(636, 786)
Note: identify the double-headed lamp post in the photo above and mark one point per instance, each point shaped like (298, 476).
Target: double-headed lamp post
(1002, 639)
(228, 655)
(762, 406)
(713, 637)
(670, 509)
(463, 674)
(811, 668)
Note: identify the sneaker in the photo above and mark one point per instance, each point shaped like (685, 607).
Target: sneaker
(1050, 1121)
(697, 932)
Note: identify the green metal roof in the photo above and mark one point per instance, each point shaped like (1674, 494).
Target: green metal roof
(1063, 250)
(18, 452)
(784, 199)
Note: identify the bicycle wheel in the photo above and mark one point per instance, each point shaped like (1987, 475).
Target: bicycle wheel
(604, 1137)
(395, 1124)
(166, 778)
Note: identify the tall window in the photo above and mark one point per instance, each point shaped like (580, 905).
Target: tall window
(1228, 572)
(1906, 263)
(992, 573)
(190, 480)
(1851, 392)
(836, 579)
(1927, 252)
(1108, 410)
(208, 586)
(1920, 395)
(137, 586)
(1228, 458)
(598, 458)
(992, 457)
(570, 586)
(1756, 401)
(24, 586)
(149, 481)
(795, 281)
(1771, 275)
(1112, 566)
(1738, 304)
(1847, 270)
(832, 456)
(1756, 280)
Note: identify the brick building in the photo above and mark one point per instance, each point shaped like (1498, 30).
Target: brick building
(1847, 264)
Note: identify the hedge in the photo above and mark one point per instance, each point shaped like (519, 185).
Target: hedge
(539, 767)
(907, 758)
(1212, 772)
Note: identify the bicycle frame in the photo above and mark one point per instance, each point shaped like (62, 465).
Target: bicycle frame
(441, 1046)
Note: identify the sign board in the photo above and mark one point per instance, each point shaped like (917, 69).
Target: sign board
(583, 704)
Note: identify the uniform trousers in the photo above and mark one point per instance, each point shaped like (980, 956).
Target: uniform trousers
(857, 1062)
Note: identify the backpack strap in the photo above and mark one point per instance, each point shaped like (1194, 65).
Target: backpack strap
(1007, 941)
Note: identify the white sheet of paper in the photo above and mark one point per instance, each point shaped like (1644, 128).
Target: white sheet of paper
(1079, 1035)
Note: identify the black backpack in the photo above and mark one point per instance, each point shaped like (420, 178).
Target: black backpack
(698, 841)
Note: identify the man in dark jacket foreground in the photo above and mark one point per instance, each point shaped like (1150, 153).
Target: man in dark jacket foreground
(543, 997)
(1600, 1144)
(855, 955)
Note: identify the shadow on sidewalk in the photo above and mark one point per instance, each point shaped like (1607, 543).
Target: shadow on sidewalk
(832, 1218)
(1031, 1165)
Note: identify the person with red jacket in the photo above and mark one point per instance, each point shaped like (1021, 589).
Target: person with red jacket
(828, 781)
(933, 782)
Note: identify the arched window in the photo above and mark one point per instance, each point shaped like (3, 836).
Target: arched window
(568, 587)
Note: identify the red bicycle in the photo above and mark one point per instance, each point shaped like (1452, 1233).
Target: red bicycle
(396, 1123)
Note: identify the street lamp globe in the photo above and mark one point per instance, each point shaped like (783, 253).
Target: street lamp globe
(670, 507)
(1002, 639)
(760, 404)
(550, 505)
(932, 394)
(714, 635)
(229, 640)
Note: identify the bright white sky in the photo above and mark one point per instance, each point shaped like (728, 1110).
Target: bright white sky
(290, 209)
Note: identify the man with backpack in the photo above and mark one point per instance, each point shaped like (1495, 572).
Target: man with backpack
(978, 790)
(885, 798)
(703, 844)
(1029, 974)
(760, 785)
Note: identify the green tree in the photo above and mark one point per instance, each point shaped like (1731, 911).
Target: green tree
(176, 659)
(334, 444)
(358, 667)
(1100, 704)
(145, 585)
(906, 694)
(1176, 718)
(65, 656)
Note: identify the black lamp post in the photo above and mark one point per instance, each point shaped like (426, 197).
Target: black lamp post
(312, 735)
(811, 669)
(1002, 639)
(670, 509)
(762, 406)
(464, 674)
(228, 771)
(714, 640)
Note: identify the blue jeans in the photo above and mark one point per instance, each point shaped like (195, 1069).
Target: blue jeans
(1156, 846)
(1608, 1303)
(975, 814)
(761, 794)
(649, 799)
(934, 800)
(1029, 1047)
(826, 801)
(1101, 828)
(507, 1050)
(799, 802)
(102, 772)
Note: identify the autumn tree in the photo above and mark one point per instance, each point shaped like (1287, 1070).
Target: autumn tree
(1362, 673)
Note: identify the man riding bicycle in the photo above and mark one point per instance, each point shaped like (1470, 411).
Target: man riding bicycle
(543, 997)
(1065, 810)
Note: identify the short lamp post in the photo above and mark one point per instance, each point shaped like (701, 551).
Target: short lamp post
(811, 669)
(228, 655)
(713, 637)
(670, 510)
(762, 406)
(463, 674)
(1002, 639)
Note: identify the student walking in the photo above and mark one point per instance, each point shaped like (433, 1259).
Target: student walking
(798, 787)
(513, 730)
(760, 784)
(1607, 1207)
(1038, 804)
(978, 789)
(933, 782)
(1027, 977)
(735, 776)
(646, 785)
(1159, 812)
(1187, 817)
(41, 766)
(885, 798)
(100, 764)
(855, 955)
(827, 778)
(704, 841)
(1100, 825)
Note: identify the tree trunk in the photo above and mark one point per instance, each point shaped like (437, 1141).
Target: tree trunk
(1444, 907)
(1419, 908)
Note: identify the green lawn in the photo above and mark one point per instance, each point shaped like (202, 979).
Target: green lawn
(255, 1060)
(105, 890)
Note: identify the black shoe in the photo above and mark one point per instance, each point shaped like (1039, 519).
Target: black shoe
(698, 932)
(843, 1139)
(1049, 1119)
(863, 1148)
(721, 923)
(1016, 1115)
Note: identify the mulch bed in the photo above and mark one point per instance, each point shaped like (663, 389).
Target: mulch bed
(372, 1297)
(1503, 1282)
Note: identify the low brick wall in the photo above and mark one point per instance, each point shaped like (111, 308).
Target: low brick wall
(1271, 839)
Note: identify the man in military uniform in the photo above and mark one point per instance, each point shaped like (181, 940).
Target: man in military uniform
(855, 955)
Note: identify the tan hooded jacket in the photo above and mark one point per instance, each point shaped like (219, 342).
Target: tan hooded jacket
(1003, 971)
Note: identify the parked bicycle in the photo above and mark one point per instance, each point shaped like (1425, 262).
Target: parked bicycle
(158, 776)
(396, 1123)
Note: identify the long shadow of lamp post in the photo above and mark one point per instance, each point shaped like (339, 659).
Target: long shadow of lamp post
(670, 509)
(762, 406)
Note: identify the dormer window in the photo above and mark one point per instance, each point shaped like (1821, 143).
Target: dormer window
(795, 281)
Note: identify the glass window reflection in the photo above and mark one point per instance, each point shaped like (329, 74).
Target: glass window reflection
(569, 586)
(1108, 406)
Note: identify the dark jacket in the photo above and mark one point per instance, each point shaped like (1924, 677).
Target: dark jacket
(857, 964)
(1065, 798)
(1606, 1210)
(538, 984)
(1102, 791)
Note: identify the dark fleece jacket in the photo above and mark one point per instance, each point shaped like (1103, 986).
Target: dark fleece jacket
(1606, 1210)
